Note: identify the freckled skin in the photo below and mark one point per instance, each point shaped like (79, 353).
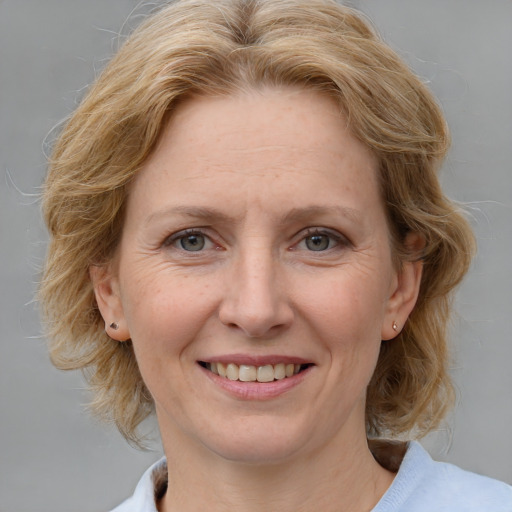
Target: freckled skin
(271, 165)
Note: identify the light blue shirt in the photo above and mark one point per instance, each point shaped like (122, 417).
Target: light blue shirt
(421, 485)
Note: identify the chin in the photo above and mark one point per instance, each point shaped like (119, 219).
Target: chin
(256, 452)
(259, 443)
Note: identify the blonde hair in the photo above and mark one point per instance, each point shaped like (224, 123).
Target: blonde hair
(198, 47)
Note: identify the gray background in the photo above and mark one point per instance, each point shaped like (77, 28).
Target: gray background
(53, 456)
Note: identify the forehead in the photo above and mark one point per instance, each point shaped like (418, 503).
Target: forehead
(280, 142)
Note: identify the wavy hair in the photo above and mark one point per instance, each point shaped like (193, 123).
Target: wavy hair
(212, 47)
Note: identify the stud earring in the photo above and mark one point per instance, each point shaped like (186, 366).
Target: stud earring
(395, 326)
(114, 326)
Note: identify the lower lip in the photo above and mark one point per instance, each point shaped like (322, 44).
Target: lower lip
(257, 390)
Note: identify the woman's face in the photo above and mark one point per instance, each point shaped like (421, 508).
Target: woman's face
(255, 243)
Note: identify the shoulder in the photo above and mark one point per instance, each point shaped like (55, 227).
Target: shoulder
(150, 487)
(422, 485)
(453, 487)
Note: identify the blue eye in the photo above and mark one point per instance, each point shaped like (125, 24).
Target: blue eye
(318, 242)
(192, 242)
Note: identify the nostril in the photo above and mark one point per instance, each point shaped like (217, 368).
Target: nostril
(255, 313)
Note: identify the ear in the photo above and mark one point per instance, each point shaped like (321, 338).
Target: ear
(108, 298)
(404, 290)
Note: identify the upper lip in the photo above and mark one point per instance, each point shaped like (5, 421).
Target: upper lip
(256, 360)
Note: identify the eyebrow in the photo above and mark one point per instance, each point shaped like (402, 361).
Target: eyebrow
(294, 215)
(195, 212)
(298, 214)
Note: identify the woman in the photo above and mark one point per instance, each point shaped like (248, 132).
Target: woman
(248, 237)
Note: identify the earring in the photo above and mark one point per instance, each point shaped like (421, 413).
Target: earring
(114, 326)
(395, 326)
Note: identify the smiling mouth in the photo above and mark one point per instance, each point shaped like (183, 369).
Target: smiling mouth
(250, 373)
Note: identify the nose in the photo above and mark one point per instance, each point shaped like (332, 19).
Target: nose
(256, 299)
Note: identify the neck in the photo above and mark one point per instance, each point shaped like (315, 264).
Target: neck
(339, 478)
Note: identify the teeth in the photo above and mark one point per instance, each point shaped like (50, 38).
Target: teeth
(247, 373)
(279, 371)
(221, 369)
(250, 373)
(232, 371)
(265, 373)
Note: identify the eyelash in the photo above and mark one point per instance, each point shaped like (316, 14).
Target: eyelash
(178, 238)
(339, 240)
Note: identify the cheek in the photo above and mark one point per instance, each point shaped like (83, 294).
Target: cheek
(346, 317)
(345, 306)
(164, 311)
